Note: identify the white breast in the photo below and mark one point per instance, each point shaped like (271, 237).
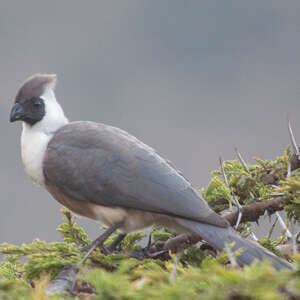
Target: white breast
(33, 149)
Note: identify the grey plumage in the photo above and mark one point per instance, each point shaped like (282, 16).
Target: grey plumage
(106, 166)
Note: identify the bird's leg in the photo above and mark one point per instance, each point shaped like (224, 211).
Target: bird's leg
(100, 241)
(111, 247)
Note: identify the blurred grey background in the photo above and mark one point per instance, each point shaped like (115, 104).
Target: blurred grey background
(193, 79)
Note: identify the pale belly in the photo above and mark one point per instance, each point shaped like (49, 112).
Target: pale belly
(132, 219)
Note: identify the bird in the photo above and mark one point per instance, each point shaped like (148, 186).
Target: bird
(104, 173)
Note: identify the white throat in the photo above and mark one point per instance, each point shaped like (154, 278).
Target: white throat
(35, 139)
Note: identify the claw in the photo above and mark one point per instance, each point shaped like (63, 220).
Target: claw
(143, 254)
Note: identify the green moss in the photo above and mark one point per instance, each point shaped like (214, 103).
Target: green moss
(161, 234)
(130, 242)
(72, 232)
(210, 281)
(217, 194)
(270, 245)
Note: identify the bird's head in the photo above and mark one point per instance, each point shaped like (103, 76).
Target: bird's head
(35, 103)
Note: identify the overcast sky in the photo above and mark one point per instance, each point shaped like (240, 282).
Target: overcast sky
(193, 79)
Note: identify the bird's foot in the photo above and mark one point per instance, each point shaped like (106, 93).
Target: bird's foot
(110, 249)
(144, 253)
(153, 251)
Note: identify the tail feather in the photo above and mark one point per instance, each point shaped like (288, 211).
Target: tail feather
(218, 236)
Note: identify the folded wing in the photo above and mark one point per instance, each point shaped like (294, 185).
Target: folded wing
(105, 165)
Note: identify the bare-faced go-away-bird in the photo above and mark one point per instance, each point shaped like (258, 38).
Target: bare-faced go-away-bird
(106, 174)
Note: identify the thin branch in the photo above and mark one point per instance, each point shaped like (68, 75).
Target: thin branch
(252, 212)
(241, 160)
(175, 265)
(238, 219)
(276, 195)
(289, 169)
(293, 140)
(283, 225)
(254, 237)
(223, 172)
(272, 228)
(231, 256)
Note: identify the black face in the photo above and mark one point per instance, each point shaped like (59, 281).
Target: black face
(30, 111)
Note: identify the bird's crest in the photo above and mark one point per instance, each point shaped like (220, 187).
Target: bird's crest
(35, 86)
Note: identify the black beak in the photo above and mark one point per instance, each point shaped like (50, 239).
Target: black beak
(17, 112)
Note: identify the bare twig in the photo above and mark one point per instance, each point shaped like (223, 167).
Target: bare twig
(294, 161)
(225, 178)
(289, 169)
(242, 161)
(272, 228)
(223, 172)
(276, 195)
(293, 140)
(253, 236)
(283, 225)
(238, 219)
(231, 256)
(175, 265)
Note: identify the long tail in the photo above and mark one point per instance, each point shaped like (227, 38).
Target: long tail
(218, 236)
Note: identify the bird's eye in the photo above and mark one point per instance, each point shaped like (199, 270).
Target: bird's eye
(37, 102)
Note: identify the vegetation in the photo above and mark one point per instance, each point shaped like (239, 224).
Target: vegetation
(198, 272)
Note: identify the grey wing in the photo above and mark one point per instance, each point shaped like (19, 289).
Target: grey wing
(105, 165)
